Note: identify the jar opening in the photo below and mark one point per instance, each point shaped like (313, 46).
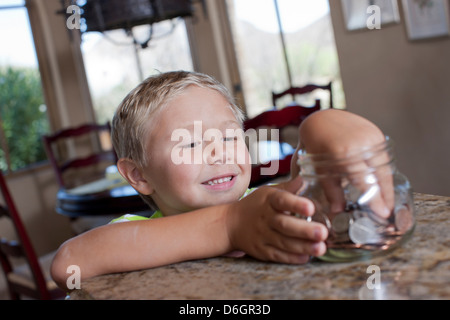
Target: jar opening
(365, 160)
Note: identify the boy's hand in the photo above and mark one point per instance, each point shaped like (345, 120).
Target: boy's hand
(338, 132)
(261, 225)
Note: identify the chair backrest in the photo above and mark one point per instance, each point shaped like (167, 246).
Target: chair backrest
(309, 88)
(60, 154)
(22, 248)
(278, 120)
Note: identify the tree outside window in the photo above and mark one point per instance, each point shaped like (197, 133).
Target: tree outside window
(309, 44)
(23, 117)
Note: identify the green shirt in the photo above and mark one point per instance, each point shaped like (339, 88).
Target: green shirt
(157, 213)
(135, 217)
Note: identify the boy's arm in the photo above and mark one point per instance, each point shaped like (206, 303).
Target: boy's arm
(256, 225)
(137, 245)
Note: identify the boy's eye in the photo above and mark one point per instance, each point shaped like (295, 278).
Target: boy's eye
(233, 138)
(191, 145)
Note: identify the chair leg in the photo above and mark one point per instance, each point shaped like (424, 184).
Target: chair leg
(13, 295)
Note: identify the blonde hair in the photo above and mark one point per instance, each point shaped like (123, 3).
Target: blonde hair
(129, 124)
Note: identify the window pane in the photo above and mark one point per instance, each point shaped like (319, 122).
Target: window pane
(22, 108)
(8, 3)
(259, 50)
(113, 68)
(311, 47)
(309, 41)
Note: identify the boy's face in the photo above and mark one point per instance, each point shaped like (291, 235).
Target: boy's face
(198, 157)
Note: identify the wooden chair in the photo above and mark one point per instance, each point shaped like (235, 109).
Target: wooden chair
(309, 88)
(62, 145)
(276, 119)
(27, 279)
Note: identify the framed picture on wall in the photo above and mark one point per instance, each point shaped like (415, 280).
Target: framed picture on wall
(426, 18)
(358, 12)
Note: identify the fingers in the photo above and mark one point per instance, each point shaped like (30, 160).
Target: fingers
(300, 253)
(298, 236)
(334, 193)
(292, 185)
(298, 228)
(291, 250)
(374, 190)
(289, 239)
(280, 256)
(386, 182)
(282, 201)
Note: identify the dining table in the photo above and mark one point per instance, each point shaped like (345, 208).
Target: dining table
(418, 269)
(108, 195)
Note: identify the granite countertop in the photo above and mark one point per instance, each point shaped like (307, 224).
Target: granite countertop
(419, 269)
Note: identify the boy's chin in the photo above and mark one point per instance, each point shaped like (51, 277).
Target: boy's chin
(220, 199)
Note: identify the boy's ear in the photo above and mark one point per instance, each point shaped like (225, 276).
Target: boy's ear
(129, 170)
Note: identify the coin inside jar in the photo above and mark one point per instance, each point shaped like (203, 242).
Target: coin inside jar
(358, 214)
(365, 211)
(363, 231)
(322, 218)
(341, 222)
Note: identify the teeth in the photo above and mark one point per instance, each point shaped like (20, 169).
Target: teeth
(218, 181)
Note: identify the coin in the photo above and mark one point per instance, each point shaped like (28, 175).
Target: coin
(322, 218)
(365, 211)
(339, 238)
(341, 222)
(363, 231)
(403, 218)
(357, 213)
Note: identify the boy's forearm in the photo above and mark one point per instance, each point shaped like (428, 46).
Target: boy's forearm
(138, 245)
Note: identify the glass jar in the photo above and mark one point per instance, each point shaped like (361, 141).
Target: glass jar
(361, 197)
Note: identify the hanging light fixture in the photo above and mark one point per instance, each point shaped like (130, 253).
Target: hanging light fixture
(107, 15)
(103, 15)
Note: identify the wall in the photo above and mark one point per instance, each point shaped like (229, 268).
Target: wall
(403, 87)
(34, 194)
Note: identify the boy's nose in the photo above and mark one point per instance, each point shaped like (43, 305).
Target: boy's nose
(214, 153)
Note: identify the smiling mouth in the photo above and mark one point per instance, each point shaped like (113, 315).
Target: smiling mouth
(218, 181)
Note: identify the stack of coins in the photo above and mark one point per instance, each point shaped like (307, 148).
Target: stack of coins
(360, 227)
(340, 227)
(364, 231)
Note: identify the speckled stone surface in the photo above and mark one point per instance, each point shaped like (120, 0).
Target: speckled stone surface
(419, 269)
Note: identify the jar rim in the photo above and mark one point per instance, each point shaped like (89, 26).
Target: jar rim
(326, 159)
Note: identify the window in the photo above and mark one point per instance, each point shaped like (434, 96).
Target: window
(23, 117)
(114, 65)
(309, 41)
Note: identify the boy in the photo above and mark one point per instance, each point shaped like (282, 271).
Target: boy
(197, 180)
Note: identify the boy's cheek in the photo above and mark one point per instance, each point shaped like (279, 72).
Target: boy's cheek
(243, 159)
(242, 155)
